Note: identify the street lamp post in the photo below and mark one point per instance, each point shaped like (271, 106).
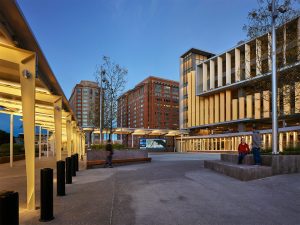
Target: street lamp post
(121, 119)
(274, 11)
(109, 85)
(102, 73)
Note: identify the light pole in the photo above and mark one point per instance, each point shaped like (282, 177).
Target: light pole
(122, 119)
(275, 12)
(102, 73)
(108, 87)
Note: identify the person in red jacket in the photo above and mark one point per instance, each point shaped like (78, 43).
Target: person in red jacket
(243, 150)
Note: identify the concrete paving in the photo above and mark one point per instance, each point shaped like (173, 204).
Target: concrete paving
(173, 189)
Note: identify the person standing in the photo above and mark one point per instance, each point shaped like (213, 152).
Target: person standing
(109, 154)
(256, 143)
(243, 150)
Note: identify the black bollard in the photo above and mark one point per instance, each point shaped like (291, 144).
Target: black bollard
(46, 195)
(73, 157)
(77, 162)
(61, 178)
(69, 170)
(9, 207)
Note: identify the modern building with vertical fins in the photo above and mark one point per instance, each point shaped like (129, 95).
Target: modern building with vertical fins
(222, 96)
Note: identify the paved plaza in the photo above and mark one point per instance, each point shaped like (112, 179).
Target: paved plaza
(173, 189)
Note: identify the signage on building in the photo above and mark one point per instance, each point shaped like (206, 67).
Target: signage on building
(157, 143)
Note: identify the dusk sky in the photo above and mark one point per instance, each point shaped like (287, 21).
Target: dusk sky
(145, 36)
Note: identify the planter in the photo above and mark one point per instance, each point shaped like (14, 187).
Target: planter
(98, 157)
(280, 164)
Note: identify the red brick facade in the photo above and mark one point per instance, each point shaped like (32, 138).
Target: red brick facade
(153, 103)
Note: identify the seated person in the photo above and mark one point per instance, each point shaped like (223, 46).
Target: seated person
(243, 150)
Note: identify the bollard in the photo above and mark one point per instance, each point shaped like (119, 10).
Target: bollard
(73, 157)
(69, 170)
(9, 207)
(61, 178)
(46, 195)
(77, 162)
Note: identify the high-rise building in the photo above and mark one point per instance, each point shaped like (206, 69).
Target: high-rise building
(223, 96)
(152, 103)
(85, 102)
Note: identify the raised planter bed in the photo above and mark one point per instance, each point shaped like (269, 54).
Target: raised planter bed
(271, 165)
(98, 157)
(280, 164)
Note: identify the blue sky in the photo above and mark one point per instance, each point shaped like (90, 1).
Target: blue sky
(145, 36)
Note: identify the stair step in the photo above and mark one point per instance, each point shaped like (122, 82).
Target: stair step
(241, 172)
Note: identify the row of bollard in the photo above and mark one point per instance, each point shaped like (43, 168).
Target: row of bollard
(9, 200)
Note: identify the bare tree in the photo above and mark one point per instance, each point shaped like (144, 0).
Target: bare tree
(288, 54)
(259, 20)
(93, 118)
(114, 79)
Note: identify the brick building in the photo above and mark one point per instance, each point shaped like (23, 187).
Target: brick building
(85, 102)
(152, 103)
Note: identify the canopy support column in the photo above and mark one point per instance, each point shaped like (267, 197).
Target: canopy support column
(181, 143)
(131, 140)
(47, 142)
(11, 144)
(69, 150)
(74, 140)
(58, 127)
(82, 144)
(27, 80)
(40, 142)
(78, 143)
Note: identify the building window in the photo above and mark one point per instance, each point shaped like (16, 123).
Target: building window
(175, 90)
(158, 88)
(167, 89)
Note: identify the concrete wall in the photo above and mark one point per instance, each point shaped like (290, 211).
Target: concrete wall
(282, 164)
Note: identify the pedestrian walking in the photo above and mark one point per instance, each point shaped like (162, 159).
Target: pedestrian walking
(109, 154)
(256, 143)
(243, 150)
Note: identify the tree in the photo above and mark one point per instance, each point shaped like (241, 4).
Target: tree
(112, 76)
(259, 20)
(288, 54)
(93, 119)
(4, 137)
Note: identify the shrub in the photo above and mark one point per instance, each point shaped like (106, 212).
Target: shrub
(4, 149)
(4, 137)
(102, 146)
(98, 147)
(291, 150)
(118, 146)
(266, 151)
